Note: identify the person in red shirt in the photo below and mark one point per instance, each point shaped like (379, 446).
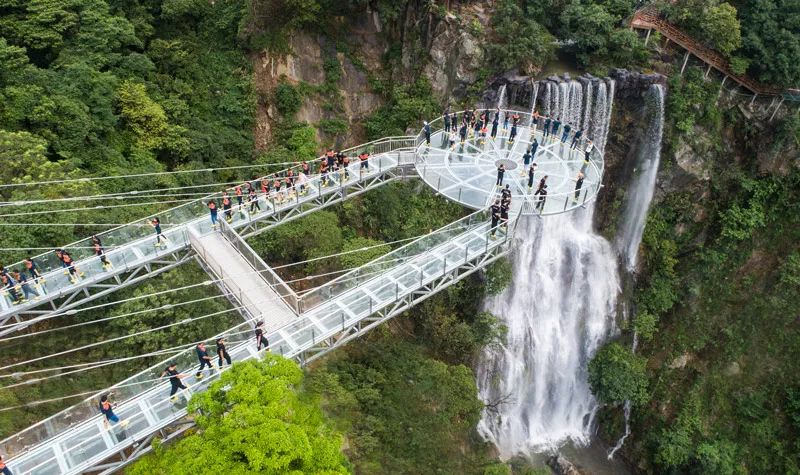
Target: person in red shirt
(3, 468)
(364, 158)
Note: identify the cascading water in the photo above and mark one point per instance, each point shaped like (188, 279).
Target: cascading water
(640, 193)
(587, 113)
(558, 310)
(501, 98)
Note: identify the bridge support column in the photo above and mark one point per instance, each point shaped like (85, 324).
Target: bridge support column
(647, 37)
(753, 100)
(776, 109)
(707, 71)
(685, 60)
(721, 86)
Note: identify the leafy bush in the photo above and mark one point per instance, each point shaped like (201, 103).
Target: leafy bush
(287, 99)
(617, 375)
(253, 420)
(498, 276)
(645, 325)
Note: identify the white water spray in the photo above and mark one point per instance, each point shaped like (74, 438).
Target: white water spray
(558, 310)
(640, 193)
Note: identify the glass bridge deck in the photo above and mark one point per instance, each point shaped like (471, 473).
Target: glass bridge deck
(467, 172)
(76, 439)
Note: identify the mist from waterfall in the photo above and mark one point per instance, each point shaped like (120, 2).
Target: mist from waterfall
(558, 310)
(640, 193)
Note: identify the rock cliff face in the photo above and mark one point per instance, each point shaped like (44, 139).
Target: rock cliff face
(445, 48)
(305, 64)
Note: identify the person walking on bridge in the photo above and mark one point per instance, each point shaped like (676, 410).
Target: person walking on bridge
(107, 409)
(36, 276)
(494, 125)
(526, 160)
(27, 290)
(69, 264)
(501, 171)
(222, 352)
(363, 157)
(531, 173)
(156, 224)
(495, 210)
(578, 186)
(426, 128)
(513, 134)
(10, 287)
(174, 379)
(212, 209)
(447, 122)
(205, 360)
(227, 207)
(261, 338)
(463, 133)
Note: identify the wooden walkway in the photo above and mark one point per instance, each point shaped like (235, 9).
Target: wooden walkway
(649, 19)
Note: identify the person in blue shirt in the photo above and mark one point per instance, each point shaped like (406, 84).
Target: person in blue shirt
(107, 409)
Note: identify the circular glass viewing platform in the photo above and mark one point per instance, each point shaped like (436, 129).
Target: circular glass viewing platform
(467, 172)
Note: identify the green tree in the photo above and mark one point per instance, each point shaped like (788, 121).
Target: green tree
(590, 26)
(771, 40)
(617, 375)
(498, 276)
(721, 28)
(146, 118)
(362, 255)
(519, 41)
(253, 420)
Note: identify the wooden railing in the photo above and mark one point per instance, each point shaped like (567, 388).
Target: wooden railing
(649, 19)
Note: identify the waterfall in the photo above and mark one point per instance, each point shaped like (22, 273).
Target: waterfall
(640, 193)
(534, 95)
(501, 97)
(587, 114)
(548, 94)
(596, 130)
(558, 310)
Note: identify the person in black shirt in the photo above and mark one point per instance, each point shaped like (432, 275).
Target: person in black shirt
(174, 379)
(222, 352)
(205, 360)
(578, 185)
(446, 122)
(261, 339)
(546, 129)
(504, 214)
(526, 160)
(531, 172)
(565, 135)
(505, 193)
(542, 192)
(494, 126)
(576, 139)
(513, 134)
(495, 216)
(501, 170)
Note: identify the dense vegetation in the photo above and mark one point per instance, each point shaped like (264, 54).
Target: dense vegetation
(114, 88)
(717, 304)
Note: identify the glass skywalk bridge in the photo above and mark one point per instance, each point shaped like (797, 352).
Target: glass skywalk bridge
(75, 440)
(132, 251)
